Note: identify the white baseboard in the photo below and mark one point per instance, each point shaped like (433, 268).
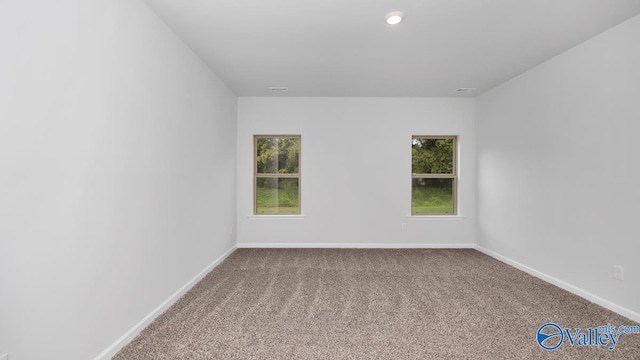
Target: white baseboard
(632, 315)
(113, 349)
(355, 246)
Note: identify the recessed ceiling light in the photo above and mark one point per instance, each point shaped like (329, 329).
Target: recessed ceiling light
(394, 17)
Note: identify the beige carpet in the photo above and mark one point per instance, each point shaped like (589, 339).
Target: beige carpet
(370, 304)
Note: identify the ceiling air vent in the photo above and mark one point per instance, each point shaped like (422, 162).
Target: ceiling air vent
(465, 89)
(278, 89)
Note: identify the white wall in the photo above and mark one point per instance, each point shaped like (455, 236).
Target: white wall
(558, 172)
(356, 170)
(117, 172)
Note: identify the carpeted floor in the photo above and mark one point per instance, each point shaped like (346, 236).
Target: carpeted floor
(371, 304)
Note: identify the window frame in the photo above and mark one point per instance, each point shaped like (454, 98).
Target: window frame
(453, 175)
(275, 175)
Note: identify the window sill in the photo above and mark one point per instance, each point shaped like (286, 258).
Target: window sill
(435, 217)
(276, 217)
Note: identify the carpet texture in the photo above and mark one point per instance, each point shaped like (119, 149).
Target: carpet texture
(371, 304)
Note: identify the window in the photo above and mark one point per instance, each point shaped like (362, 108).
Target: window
(433, 175)
(277, 174)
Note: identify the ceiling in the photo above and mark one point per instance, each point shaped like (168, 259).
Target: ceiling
(344, 47)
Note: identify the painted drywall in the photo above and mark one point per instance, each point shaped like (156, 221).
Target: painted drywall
(117, 172)
(356, 170)
(558, 174)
